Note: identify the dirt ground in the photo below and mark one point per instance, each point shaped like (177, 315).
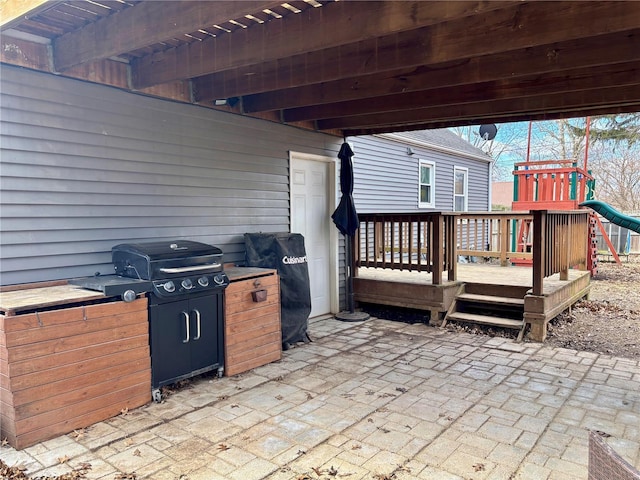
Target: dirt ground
(609, 322)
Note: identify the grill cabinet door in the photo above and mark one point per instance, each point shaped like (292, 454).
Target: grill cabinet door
(170, 354)
(206, 319)
(186, 338)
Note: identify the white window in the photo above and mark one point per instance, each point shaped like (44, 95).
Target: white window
(460, 189)
(427, 185)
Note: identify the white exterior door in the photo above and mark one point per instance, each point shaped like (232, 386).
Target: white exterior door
(312, 184)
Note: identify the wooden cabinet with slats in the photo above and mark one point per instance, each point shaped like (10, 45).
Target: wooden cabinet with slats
(252, 334)
(69, 358)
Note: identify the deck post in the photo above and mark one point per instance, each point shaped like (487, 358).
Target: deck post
(539, 250)
(504, 241)
(565, 248)
(356, 255)
(451, 248)
(438, 249)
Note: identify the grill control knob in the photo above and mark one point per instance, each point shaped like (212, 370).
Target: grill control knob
(170, 286)
(219, 279)
(129, 296)
(187, 284)
(203, 281)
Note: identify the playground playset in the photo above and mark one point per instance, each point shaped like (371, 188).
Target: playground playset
(562, 185)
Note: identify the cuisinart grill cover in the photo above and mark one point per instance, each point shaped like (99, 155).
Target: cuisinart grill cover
(286, 253)
(156, 260)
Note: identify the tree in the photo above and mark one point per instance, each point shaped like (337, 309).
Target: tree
(615, 160)
(613, 156)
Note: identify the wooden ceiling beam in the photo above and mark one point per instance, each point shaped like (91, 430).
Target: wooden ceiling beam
(316, 29)
(558, 102)
(501, 31)
(145, 24)
(509, 88)
(544, 59)
(16, 11)
(505, 118)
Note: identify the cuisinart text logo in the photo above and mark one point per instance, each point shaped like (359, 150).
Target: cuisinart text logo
(294, 260)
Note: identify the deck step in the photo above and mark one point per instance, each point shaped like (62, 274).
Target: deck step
(491, 299)
(485, 320)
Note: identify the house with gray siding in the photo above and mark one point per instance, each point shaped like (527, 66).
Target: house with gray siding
(85, 167)
(428, 170)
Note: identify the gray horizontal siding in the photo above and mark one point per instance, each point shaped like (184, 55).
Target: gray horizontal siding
(85, 167)
(386, 178)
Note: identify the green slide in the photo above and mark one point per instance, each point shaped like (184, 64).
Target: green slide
(614, 216)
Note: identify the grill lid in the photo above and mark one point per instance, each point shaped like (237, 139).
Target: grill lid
(168, 249)
(166, 259)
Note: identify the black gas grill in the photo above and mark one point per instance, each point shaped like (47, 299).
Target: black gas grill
(186, 312)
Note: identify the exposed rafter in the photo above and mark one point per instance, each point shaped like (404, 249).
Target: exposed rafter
(336, 24)
(481, 111)
(15, 12)
(534, 61)
(144, 24)
(348, 66)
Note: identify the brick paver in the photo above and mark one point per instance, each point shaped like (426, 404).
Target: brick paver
(372, 400)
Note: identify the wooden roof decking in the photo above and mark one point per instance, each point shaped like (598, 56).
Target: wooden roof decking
(345, 67)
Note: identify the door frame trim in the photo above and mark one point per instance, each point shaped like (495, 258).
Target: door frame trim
(332, 189)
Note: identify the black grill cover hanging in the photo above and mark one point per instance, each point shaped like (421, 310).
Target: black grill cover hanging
(286, 253)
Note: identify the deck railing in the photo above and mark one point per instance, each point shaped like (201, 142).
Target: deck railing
(502, 235)
(432, 242)
(560, 242)
(560, 184)
(408, 241)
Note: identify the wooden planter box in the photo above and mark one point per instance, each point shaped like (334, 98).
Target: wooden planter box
(253, 334)
(69, 361)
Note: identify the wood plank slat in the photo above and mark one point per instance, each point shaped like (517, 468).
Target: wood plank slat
(70, 400)
(485, 320)
(252, 363)
(257, 330)
(69, 330)
(15, 301)
(265, 276)
(37, 385)
(244, 315)
(491, 299)
(84, 408)
(50, 347)
(79, 360)
(130, 398)
(61, 316)
(273, 338)
(258, 351)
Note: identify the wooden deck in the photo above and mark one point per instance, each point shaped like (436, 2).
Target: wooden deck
(412, 289)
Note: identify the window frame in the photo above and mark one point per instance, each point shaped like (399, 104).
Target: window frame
(432, 166)
(465, 195)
